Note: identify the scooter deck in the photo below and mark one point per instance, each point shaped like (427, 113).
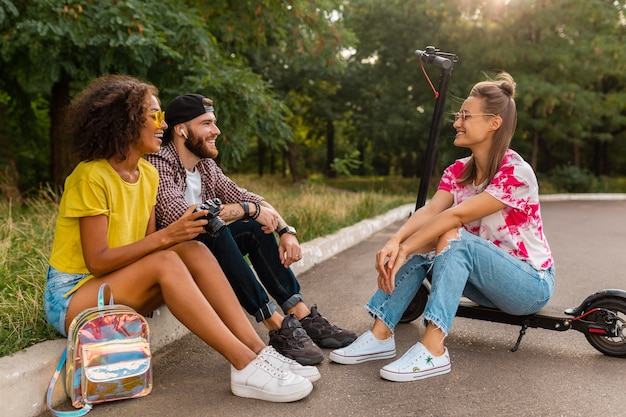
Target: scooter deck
(549, 317)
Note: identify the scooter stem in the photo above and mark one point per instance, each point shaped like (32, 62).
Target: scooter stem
(446, 62)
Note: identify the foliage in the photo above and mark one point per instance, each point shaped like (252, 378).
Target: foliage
(384, 89)
(85, 38)
(571, 179)
(347, 164)
(567, 58)
(300, 83)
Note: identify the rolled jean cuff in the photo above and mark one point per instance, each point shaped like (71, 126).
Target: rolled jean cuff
(378, 314)
(265, 312)
(436, 321)
(291, 302)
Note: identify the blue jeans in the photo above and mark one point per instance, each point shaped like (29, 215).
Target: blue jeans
(246, 238)
(472, 267)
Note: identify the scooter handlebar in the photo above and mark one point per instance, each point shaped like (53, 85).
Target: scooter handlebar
(430, 56)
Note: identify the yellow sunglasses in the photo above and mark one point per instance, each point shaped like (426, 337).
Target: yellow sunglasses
(158, 117)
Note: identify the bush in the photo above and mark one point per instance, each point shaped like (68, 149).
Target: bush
(571, 179)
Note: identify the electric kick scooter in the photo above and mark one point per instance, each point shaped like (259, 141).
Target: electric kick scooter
(601, 317)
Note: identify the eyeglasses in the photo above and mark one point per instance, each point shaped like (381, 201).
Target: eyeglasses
(158, 118)
(463, 115)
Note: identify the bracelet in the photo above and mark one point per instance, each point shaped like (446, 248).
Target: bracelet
(246, 210)
(257, 212)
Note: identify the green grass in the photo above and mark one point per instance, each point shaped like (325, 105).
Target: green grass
(315, 208)
(25, 242)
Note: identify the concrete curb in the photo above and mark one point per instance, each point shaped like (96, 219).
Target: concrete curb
(583, 197)
(24, 376)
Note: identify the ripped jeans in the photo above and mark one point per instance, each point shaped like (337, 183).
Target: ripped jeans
(472, 267)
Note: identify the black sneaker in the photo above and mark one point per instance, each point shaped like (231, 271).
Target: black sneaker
(325, 334)
(293, 342)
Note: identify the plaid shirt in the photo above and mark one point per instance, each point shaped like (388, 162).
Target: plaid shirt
(171, 203)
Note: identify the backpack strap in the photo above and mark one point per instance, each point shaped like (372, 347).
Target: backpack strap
(101, 295)
(57, 372)
(87, 407)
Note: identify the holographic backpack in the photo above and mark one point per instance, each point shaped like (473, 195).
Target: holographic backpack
(108, 357)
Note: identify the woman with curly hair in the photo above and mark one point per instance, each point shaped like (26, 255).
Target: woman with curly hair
(106, 233)
(480, 236)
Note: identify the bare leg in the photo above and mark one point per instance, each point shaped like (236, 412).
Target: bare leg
(433, 339)
(300, 310)
(217, 290)
(274, 322)
(380, 330)
(163, 277)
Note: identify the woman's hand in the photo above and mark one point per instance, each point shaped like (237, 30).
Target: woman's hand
(188, 226)
(386, 256)
(387, 272)
(388, 262)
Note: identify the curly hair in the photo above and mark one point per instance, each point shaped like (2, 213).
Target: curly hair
(498, 97)
(106, 118)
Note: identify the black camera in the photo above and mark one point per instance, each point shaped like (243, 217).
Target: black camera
(215, 225)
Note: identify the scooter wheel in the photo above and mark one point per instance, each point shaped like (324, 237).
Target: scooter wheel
(417, 305)
(612, 311)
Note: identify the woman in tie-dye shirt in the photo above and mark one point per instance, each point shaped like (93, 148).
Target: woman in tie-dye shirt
(480, 236)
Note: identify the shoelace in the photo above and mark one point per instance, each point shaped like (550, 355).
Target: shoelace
(270, 368)
(361, 341)
(270, 351)
(417, 358)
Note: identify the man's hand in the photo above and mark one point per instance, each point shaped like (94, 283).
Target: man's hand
(289, 250)
(268, 219)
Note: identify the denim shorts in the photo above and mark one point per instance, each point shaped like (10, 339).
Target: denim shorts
(55, 302)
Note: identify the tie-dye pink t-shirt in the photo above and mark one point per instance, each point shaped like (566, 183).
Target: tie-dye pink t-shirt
(518, 228)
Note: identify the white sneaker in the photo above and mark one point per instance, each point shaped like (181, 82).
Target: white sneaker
(282, 362)
(365, 348)
(416, 363)
(263, 381)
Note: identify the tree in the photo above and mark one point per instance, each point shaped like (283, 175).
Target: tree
(83, 39)
(390, 100)
(56, 47)
(296, 47)
(567, 58)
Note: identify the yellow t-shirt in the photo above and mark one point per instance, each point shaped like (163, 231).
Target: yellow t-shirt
(95, 188)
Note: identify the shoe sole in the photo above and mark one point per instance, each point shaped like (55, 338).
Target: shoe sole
(259, 394)
(353, 360)
(413, 376)
(311, 377)
(330, 343)
(305, 360)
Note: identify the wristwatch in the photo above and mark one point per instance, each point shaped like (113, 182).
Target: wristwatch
(287, 229)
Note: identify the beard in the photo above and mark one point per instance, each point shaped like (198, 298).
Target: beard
(198, 147)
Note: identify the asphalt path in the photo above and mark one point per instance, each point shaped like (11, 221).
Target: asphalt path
(552, 374)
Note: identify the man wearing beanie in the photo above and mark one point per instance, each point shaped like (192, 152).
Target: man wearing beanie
(189, 175)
